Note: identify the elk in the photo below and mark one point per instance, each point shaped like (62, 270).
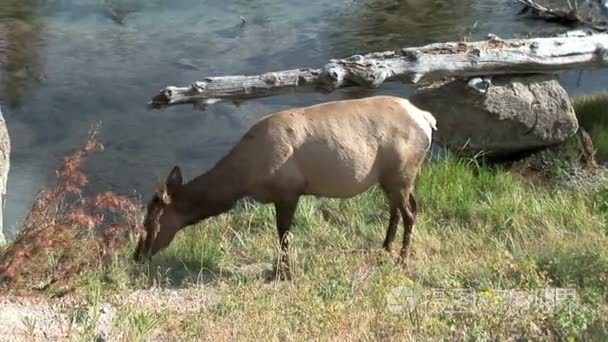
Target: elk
(336, 149)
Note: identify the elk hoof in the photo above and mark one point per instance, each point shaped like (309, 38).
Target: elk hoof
(388, 248)
(284, 275)
(281, 272)
(403, 256)
(401, 261)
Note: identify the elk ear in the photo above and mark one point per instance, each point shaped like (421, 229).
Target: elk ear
(174, 180)
(163, 194)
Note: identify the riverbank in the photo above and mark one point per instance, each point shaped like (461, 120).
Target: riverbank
(481, 231)
(495, 255)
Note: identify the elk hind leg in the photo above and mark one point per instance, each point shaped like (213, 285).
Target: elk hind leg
(393, 221)
(408, 208)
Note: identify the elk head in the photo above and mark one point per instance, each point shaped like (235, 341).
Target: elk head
(163, 219)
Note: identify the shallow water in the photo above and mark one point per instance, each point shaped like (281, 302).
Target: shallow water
(67, 64)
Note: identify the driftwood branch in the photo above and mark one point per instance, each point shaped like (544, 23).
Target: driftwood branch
(571, 15)
(428, 63)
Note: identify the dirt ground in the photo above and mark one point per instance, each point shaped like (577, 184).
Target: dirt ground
(42, 319)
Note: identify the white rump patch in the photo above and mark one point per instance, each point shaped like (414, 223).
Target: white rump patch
(425, 120)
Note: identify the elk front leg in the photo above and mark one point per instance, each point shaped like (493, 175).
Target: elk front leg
(284, 216)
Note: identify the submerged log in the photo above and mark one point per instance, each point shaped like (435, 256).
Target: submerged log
(426, 64)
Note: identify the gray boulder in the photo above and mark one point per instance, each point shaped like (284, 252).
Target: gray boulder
(503, 116)
(5, 150)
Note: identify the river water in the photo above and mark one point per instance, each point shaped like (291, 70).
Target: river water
(68, 64)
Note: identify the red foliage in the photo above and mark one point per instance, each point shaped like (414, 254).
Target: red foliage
(64, 224)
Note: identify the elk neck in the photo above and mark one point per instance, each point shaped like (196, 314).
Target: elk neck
(212, 193)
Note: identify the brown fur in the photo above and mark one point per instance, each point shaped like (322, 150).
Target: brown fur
(336, 149)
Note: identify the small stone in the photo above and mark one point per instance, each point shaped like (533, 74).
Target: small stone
(101, 338)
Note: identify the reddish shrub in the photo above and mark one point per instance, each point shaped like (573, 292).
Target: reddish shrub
(66, 232)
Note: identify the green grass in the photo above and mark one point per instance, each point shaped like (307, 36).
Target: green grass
(136, 325)
(592, 113)
(478, 228)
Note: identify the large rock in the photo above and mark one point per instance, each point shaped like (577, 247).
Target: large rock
(501, 117)
(5, 150)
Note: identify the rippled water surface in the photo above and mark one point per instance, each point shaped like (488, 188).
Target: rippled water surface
(67, 64)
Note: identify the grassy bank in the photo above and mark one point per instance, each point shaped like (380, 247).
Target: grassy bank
(592, 113)
(479, 229)
(488, 245)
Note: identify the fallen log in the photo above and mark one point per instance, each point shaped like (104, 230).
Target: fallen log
(426, 64)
